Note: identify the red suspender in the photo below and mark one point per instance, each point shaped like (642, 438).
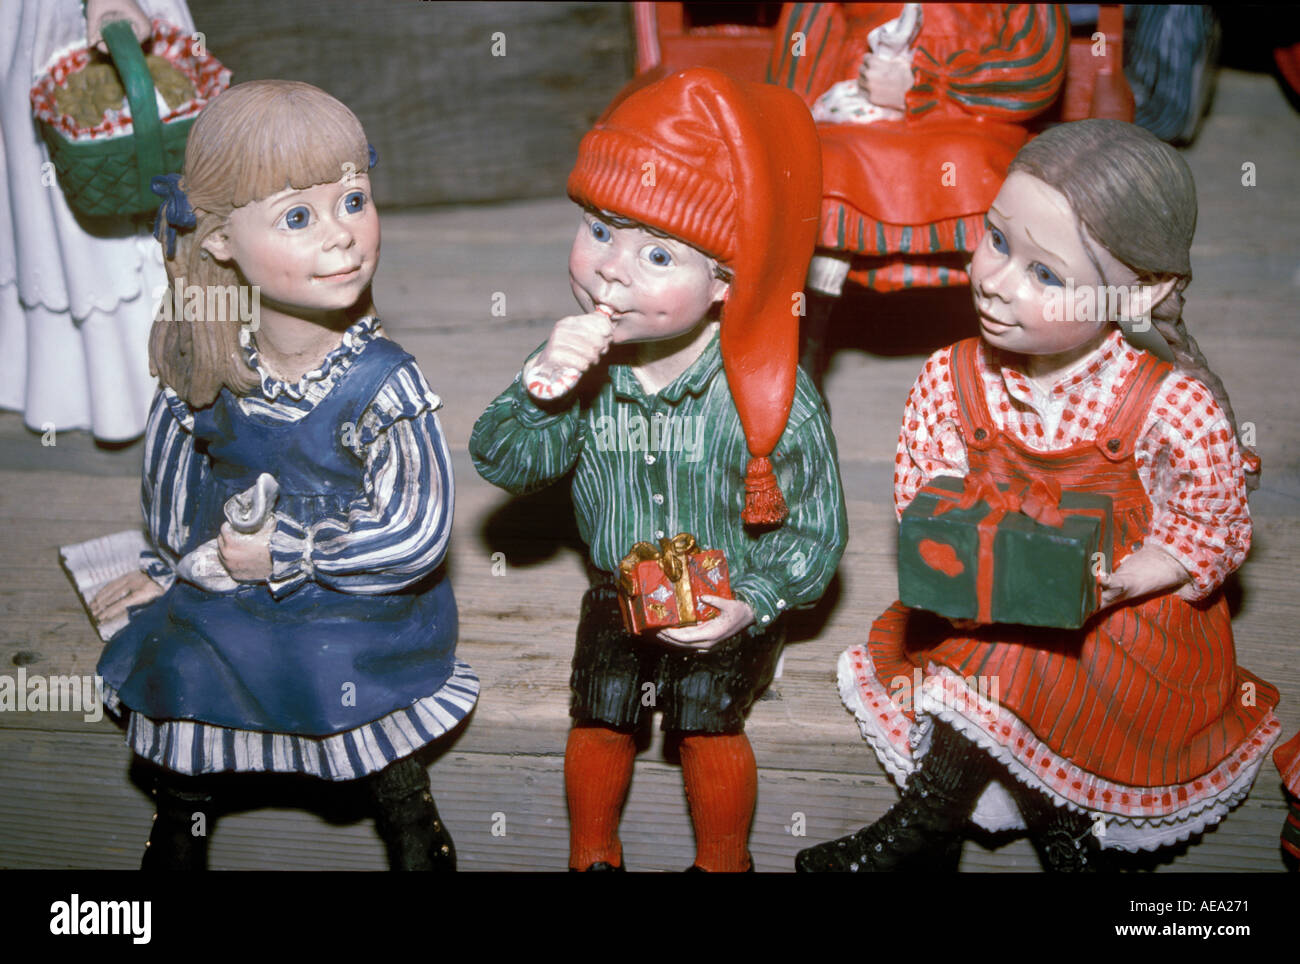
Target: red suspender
(976, 423)
(1118, 436)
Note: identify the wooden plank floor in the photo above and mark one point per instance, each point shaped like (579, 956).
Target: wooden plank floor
(66, 797)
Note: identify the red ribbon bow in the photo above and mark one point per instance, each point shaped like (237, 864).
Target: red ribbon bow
(1040, 500)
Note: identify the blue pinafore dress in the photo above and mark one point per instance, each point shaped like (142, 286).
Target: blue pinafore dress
(320, 681)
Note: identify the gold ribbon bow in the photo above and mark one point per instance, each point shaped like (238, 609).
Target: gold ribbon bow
(673, 558)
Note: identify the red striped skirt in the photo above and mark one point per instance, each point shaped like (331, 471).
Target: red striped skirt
(1142, 716)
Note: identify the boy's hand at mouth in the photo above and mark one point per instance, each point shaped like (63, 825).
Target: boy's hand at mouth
(576, 344)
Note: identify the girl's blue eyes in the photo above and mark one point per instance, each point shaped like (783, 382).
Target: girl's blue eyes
(354, 203)
(297, 218)
(300, 216)
(1046, 276)
(1043, 274)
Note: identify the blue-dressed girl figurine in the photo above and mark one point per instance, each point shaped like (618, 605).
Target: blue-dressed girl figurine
(331, 649)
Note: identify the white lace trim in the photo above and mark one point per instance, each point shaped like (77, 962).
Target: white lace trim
(1170, 814)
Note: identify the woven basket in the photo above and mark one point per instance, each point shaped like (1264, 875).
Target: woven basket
(110, 176)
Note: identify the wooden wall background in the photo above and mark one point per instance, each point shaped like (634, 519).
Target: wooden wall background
(452, 122)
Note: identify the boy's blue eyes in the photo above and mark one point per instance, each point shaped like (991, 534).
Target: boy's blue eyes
(1043, 274)
(657, 255)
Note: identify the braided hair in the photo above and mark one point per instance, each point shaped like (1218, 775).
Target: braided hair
(1135, 196)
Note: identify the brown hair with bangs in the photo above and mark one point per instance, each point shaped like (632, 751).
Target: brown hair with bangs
(254, 140)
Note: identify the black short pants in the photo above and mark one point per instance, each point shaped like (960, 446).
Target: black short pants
(619, 679)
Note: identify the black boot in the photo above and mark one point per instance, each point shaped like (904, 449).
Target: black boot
(173, 842)
(1065, 839)
(922, 832)
(408, 821)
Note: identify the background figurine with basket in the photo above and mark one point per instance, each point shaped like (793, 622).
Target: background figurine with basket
(79, 276)
(112, 126)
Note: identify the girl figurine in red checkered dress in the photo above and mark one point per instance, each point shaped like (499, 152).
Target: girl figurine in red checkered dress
(1139, 729)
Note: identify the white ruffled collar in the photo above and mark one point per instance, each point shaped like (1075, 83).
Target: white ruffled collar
(332, 366)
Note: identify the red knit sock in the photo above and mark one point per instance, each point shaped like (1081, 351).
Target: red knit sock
(721, 778)
(597, 772)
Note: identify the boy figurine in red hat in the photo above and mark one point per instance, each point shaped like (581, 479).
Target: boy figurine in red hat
(700, 196)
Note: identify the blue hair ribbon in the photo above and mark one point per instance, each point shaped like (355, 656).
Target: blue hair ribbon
(176, 207)
(374, 155)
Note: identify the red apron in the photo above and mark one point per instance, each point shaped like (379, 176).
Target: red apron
(1142, 714)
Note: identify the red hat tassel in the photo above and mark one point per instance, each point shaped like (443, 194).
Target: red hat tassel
(764, 504)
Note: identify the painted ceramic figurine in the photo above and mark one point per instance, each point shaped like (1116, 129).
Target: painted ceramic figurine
(76, 296)
(1139, 729)
(1287, 758)
(334, 653)
(699, 197)
(920, 109)
(961, 81)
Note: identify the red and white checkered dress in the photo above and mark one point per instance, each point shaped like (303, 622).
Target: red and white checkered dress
(1142, 715)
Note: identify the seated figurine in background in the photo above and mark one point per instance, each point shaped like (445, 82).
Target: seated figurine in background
(699, 197)
(920, 108)
(1139, 729)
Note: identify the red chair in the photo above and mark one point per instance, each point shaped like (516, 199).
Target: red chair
(667, 39)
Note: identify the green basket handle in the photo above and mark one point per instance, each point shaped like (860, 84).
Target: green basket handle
(129, 61)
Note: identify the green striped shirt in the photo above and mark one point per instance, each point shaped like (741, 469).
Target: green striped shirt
(650, 466)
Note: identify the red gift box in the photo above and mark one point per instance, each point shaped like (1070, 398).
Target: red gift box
(660, 587)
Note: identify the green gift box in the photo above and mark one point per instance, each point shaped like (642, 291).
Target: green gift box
(1004, 553)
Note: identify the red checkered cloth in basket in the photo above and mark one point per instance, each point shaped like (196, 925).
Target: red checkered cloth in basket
(173, 44)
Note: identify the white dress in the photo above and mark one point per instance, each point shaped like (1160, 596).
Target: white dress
(76, 299)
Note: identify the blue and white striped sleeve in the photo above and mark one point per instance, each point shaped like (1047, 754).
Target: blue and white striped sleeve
(173, 477)
(397, 532)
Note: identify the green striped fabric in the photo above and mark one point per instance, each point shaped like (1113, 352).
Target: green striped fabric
(650, 466)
